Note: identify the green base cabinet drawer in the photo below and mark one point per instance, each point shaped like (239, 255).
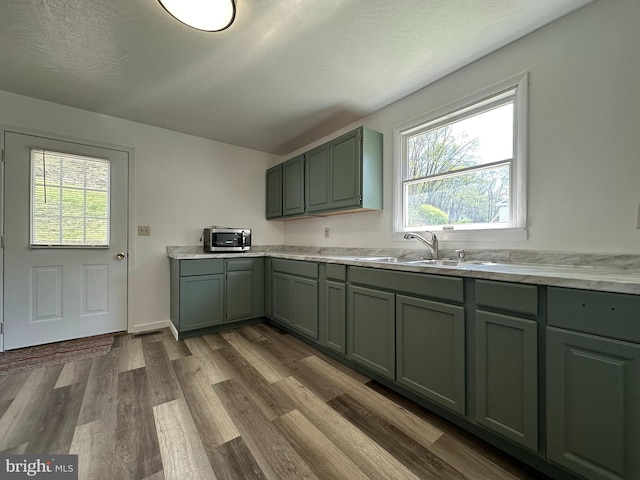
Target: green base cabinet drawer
(593, 399)
(430, 346)
(449, 289)
(613, 315)
(296, 267)
(336, 272)
(513, 297)
(211, 266)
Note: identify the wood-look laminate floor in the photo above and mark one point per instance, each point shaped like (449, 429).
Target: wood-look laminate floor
(251, 403)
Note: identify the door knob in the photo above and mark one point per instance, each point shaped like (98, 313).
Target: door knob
(120, 255)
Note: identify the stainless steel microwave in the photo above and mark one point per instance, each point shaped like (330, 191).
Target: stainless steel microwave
(226, 239)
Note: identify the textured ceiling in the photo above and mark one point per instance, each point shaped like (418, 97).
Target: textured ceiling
(286, 73)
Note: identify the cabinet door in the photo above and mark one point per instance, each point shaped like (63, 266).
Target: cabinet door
(282, 298)
(268, 289)
(431, 350)
(336, 316)
(201, 301)
(239, 295)
(593, 405)
(304, 306)
(506, 376)
(293, 186)
(371, 323)
(317, 179)
(345, 171)
(274, 192)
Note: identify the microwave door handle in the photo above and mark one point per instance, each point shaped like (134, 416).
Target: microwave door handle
(244, 240)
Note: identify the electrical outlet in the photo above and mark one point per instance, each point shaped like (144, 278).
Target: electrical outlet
(327, 232)
(144, 231)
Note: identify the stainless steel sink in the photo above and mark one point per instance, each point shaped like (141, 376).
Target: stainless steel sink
(377, 259)
(364, 258)
(441, 262)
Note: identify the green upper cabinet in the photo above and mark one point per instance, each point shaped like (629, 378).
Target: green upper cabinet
(340, 176)
(316, 179)
(345, 187)
(293, 186)
(274, 192)
(345, 174)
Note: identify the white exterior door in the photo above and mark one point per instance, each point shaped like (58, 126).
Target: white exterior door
(62, 292)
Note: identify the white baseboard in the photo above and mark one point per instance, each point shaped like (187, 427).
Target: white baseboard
(173, 330)
(145, 327)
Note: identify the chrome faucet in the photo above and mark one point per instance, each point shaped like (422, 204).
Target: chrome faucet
(431, 245)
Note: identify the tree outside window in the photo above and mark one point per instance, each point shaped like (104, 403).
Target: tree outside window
(458, 169)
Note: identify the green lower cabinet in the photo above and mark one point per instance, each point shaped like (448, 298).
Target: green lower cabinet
(295, 303)
(244, 289)
(372, 330)
(201, 301)
(239, 298)
(305, 306)
(209, 292)
(430, 346)
(268, 289)
(282, 304)
(506, 376)
(336, 316)
(593, 399)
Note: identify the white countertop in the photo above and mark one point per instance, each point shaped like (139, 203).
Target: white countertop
(607, 279)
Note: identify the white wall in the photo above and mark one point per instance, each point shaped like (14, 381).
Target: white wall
(182, 183)
(584, 129)
(584, 168)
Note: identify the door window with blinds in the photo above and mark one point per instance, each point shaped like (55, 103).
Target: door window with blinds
(69, 200)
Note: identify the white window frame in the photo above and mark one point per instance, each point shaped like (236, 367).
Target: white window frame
(516, 228)
(60, 188)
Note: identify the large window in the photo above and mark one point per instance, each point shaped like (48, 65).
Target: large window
(69, 200)
(463, 167)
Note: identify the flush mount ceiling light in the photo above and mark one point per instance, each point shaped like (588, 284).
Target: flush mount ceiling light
(207, 15)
